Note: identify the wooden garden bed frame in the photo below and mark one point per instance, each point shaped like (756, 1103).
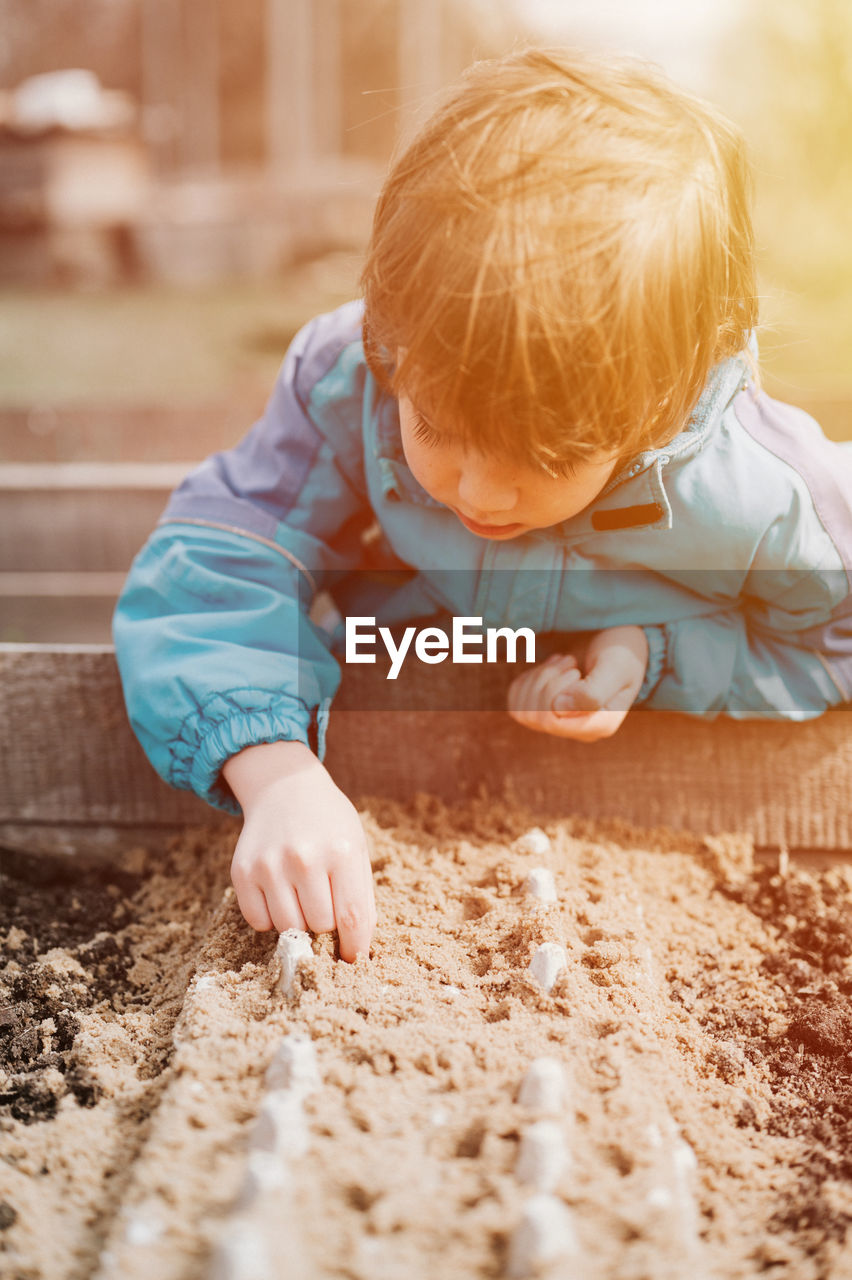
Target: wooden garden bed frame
(74, 779)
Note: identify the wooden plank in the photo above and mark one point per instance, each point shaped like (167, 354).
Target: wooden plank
(75, 530)
(56, 619)
(28, 586)
(53, 477)
(68, 757)
(80, 517)
(68, 754)
(98, 841)
(158, 434)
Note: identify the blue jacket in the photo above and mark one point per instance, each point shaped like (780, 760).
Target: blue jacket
(732, 546)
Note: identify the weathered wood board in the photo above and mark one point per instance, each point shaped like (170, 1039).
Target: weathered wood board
(79, 518)
(68, 759)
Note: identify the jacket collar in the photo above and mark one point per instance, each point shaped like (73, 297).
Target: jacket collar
(635, 497)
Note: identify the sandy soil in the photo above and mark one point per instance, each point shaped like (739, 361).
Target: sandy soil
(702, 1022)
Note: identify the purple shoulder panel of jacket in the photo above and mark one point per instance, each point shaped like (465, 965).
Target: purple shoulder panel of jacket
(826, 468)
(256, 483)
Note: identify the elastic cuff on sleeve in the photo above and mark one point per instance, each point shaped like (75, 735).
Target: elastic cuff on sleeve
(322, 726)
(223, 727)
(657, 652)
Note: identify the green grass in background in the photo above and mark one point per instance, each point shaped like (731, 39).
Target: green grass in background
(785, 76)
(805, 253)
(150, 346)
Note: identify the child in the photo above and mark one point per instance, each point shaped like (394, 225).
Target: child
(550, 373)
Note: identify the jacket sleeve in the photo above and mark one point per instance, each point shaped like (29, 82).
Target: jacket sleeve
(724, 664)
(212, 631)
(781, 648)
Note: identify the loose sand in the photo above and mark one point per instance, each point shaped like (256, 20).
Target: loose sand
(706, 998)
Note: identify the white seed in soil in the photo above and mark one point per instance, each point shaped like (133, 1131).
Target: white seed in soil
(540, 884)
(141, 1230)
(547, 963)
(544, 1086)
(294, 1065)
(672, 1191)
(264, 1172)
(242, 1255)
(534, 841)
(684, 1159)
(684, 1166)
(654, 1136)
(293, 949)
(106, 1264)
(543, 1156)
(280, 1126)
(543, 1238)
(646, 964)
(189, 1024)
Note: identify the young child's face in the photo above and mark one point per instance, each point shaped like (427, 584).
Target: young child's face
(491, 497)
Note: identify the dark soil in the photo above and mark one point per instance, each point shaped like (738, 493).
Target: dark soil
(810, 1061)
(56, 903)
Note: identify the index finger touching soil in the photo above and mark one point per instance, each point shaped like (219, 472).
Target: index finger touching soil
(354, 907)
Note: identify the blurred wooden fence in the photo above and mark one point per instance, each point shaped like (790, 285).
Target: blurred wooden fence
(68, 533)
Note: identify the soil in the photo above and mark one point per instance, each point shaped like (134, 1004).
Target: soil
(706, 1000)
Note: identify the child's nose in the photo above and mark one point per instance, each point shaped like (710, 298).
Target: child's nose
(485, 487)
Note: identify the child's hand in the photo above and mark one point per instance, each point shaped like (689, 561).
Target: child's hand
(301, 861)
(587, 703)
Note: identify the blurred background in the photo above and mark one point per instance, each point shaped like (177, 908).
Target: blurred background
(184, 182)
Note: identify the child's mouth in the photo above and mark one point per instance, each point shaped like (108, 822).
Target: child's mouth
(489, 530)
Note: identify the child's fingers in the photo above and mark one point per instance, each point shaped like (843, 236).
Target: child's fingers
(562, 661)
(557, 662)
(284, 908)
(354, 906)
(253, 906)
(560, 685)
(314, 895)
(591, 726)
(580, 701)
(603, 686)
(579, 727)
(535, 690)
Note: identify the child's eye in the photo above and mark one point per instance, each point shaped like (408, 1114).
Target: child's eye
(422, 431)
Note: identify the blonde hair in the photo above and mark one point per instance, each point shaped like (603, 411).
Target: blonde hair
(560, 256)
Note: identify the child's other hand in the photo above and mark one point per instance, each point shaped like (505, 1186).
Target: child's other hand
(301, 861)
(585, 703)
